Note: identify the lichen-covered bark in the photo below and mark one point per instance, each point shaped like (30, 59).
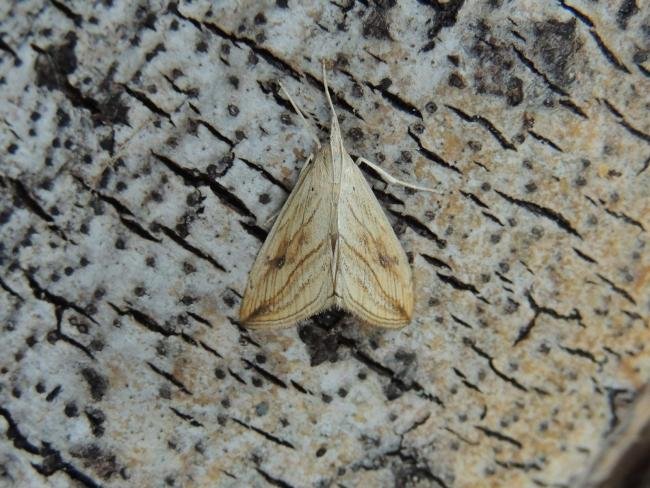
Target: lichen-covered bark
(145, 145)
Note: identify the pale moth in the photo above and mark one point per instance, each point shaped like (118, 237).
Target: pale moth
(330, 246)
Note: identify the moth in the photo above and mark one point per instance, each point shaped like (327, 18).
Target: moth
(330, 246)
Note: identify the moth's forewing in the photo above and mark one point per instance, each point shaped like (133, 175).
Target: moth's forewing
(374, 277)
(291, 278)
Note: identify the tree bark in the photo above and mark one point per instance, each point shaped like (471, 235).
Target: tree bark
(146, 145)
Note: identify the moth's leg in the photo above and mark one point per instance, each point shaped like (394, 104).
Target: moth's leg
(267, 223)
(391, 179)
(302, 117)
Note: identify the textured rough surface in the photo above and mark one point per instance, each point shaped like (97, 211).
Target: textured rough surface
(144, 145)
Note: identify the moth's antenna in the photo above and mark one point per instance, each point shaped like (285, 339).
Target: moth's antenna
(335, 120)
(302, 117)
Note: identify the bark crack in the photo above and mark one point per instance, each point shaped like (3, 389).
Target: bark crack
(431, 155)
(508, 379)
(34, 207)
(486, 124)
(52, 460)
(263, 433)
(545, 140)
(196, 178)
(539, 310)
(272, 480)
(186, 417)
(460, 285)
(499, 436)
(395, 100)
(621, 120)
(419, 228)
(169, 377)
(190, 248)
(617, 289)
(547, 213)
(606, 51)
(265, 374)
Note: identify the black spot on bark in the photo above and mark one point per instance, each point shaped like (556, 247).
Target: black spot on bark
(385, 83)
(156, 50)
(514, 91)
(285, 118)
(100, 461)
(555, 45)
(113, 110)
(107, 144)
(96, 418)
(627, 9)
(97, 383)
(376, 25)
(418, 128)
(356, 134)
(495, 64)
(5, 215)
(640, 56)
(105, 177)
(147, 19)
(56, 62)
(446, 14)
(194, 198)
(62, 118)
(71, 410)
(456, 80)
(221, 168)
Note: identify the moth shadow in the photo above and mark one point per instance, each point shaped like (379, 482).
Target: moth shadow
(327, 333)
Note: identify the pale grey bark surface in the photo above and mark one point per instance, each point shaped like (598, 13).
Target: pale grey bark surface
(144, 145)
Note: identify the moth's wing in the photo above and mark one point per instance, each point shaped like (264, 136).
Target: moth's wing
(373, 279)
(291, 278)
